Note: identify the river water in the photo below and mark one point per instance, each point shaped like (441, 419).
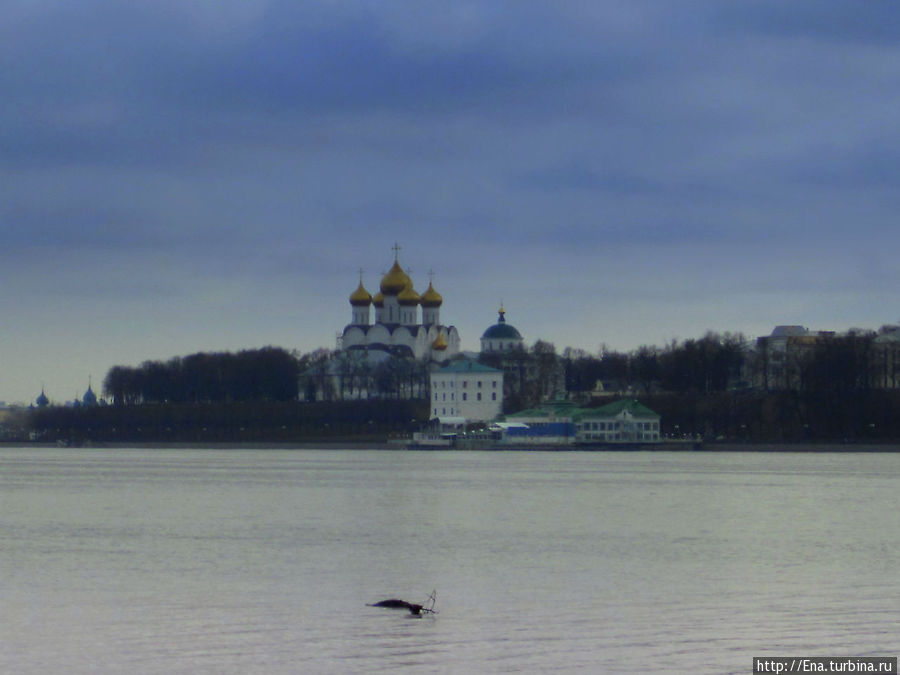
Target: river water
(262, 561)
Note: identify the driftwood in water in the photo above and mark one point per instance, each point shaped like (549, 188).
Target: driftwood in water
(415, 609)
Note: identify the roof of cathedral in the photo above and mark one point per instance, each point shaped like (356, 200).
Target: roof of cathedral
(502, 330)
(360, 297)
(431, 298)
(408, 296)
(389, 327)
(440, 344)
(395, 280)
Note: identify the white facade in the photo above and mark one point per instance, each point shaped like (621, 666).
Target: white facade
(398, 328)
(467, 389)
(622, 426)
(420, 342)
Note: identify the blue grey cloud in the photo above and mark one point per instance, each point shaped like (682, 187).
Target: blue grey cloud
(211, 175)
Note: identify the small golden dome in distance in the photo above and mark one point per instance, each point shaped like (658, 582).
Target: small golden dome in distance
(360, 297)
(431, 298)
(440, 344)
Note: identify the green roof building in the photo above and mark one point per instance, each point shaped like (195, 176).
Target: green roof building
(623, 422)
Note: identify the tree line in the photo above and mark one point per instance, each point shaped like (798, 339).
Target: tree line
(267, 374)
(727, 362)
(714, 386)
(349, 375)
(713, 363)
(237, 421)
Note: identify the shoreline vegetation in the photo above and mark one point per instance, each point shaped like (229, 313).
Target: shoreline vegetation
(362, 444)
(709, 391)
(719, 420)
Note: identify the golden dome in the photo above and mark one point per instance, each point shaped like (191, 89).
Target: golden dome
(378, 300)
(431, 298)
(440, 344)
(408, 296)
(395, 280)
(360, 297)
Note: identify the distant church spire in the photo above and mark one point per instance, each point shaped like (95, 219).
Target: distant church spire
(89, 398)
(42, 400)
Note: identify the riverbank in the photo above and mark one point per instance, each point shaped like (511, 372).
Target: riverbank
(350, 444)
(834, 446)
(238, 445)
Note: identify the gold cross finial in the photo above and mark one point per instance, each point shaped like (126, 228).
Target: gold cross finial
(396, 248)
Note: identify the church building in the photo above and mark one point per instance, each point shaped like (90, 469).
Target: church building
(501, 337)
(405, 323)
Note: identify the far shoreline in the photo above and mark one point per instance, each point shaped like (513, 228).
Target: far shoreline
(711, 447)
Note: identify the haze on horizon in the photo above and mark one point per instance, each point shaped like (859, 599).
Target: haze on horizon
(183, 177)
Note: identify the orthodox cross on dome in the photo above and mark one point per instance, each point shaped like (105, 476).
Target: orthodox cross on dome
(431, 276)
(361, 270)
(396, 249)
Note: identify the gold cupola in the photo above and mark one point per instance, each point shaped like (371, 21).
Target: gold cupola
(431, 298)
(360, 297)
(408, 296)
(440, 344)
(395, 280)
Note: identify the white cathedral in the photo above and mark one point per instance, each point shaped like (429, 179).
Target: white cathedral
(399, 328)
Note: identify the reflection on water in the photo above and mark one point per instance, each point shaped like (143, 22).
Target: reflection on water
(159, 561)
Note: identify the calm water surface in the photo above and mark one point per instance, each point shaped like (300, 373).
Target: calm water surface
(208, 561)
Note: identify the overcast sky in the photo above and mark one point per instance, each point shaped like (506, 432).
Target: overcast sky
(210, 175)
